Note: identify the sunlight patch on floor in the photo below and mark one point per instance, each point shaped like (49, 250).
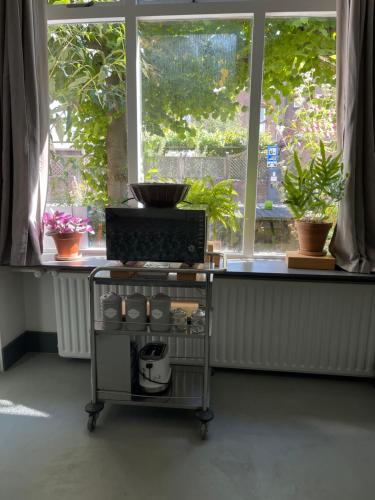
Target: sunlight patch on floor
(9, 408)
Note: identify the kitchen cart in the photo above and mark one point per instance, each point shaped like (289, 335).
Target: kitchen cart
(112, 344)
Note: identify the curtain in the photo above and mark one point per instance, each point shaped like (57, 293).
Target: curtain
(23, 129)
(353, 243)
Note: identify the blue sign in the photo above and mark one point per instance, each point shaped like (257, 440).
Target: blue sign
(272, 155)
(271, 162)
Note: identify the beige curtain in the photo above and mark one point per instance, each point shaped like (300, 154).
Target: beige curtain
(353, 243)
(23, 129)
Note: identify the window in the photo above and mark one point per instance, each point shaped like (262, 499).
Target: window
(195, 87)
(185, 98)
(298, 103)
(88, 168)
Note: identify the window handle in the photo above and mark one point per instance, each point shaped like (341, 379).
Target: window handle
(85, 4)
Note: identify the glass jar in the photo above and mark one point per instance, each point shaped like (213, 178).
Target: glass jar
(198, 321)
(179, 320)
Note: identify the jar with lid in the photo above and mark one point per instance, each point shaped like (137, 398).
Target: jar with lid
(179, 320)
(136, 312)
(160, 313)
(111, 309)
(198, 321)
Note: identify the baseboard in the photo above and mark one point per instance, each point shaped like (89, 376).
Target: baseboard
(28, 342)
(13, 351)
(41, 342)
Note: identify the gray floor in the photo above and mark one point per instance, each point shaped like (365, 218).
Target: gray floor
(274, 438)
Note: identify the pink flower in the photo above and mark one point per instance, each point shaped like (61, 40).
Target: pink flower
(63, 223)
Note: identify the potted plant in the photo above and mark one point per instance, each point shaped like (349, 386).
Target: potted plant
(66, 231)
(219, 199)
(312, 194)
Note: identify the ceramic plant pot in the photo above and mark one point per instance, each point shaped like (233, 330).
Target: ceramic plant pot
(159, 195)
(67, 245)
(312, 237)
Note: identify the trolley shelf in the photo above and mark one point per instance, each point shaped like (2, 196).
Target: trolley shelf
(185, 391)
(147, 333)
(104, 278)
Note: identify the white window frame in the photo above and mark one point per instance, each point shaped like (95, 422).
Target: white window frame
(133, 12)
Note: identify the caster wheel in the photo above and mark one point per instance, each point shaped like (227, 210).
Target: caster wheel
(91, 423)
(204, 431)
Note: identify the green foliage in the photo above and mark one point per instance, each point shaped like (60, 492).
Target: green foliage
(300, 70)
(265, 139)
(314, 191)
(87, 92)
(204, 81)
(219, 199)
(154, 147)
(295, 46)
(203, 143)
(88, 73)
(313, 119)
(219, 143)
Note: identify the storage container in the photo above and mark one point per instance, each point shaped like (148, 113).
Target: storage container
(160, 313)
(179, 320)
(136, 312)
(111, 308)
(198, 321)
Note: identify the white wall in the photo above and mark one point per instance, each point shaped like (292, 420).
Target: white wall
(40, 311)
(12, 311)
(26, 303)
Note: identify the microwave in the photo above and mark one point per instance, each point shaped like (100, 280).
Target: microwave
(156, 234)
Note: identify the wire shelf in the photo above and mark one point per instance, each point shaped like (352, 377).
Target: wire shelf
(174, 332)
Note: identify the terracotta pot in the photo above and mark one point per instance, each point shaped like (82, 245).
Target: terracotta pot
(67, 245)
(312, 237)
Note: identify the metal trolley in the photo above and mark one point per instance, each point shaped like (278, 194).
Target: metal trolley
(190, 384)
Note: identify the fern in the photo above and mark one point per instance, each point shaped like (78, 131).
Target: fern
(218, 199)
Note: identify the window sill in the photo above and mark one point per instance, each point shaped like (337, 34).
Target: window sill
(261, 269)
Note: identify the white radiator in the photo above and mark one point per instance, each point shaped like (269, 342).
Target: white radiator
(72, 314)
(322, 328)
(325, 328)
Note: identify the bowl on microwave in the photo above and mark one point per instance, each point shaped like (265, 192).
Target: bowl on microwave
(159, 195)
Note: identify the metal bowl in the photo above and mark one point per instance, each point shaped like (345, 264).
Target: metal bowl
(159, 195)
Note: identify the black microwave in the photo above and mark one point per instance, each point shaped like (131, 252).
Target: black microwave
(156, 234)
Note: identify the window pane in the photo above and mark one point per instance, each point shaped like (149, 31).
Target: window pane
(298, 109)
(87, 120)
(195, 98)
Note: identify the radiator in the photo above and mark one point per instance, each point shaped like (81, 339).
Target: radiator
(324, 328)
(72, 314)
